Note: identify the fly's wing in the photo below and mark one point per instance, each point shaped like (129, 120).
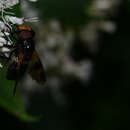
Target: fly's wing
(36, 69)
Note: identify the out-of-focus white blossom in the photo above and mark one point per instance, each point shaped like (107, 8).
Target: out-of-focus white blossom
(28, 10)
(108, 26)
(33, 0)
(1, 66)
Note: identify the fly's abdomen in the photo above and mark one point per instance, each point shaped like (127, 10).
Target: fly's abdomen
(17, 66)
(12, 72)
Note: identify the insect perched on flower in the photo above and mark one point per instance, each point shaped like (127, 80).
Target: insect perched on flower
(23, 57)
(17, 46)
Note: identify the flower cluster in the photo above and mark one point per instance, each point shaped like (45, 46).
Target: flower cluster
(6, 26)
(7, 4)
(7, 22)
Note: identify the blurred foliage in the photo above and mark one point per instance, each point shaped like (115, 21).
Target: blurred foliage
(127, 4)
(104, 103)
(70, 13)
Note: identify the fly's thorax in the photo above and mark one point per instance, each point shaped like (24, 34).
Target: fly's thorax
(25, 34)
(28, 44)
(25, 45)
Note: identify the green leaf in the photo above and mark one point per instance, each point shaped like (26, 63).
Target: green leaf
(13, 104)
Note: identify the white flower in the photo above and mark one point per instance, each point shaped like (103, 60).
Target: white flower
(5, 49)
(7, 3)
(3, 34)
(1, 44)
(3, 26)
(2, 40)
(9, 43)
(14, 20)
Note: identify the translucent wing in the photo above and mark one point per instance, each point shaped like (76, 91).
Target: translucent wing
(36, 69)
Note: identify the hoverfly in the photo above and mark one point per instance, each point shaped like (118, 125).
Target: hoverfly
(23, 57)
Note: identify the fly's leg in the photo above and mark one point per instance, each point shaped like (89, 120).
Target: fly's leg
(15, 87)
